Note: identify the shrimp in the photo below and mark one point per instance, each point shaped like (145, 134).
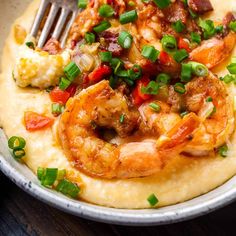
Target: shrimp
(213, 51)
(95, 157)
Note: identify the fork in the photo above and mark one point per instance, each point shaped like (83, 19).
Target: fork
(64, 8)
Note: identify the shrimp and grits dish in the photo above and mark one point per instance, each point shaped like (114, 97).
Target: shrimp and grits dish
(136, 111)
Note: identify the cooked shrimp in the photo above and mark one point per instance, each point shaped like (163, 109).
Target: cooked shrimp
(94, 156)
(213, 51)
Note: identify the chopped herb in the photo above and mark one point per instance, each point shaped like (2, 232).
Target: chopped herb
(162, 3)
(90, 38)
(180, 55)
(209, 99)
(232, 26)
(125, 39)
(106, 11)
(72, 71)
(169, 43)
(104, 25)
(152, 199)
(18, 153)
(219, 29)
(105, 56)
(207, 27)
(179, 88)
(30, 45)
(186, 72)
(223, 150)
(16, 142)
(129, 16)
(150, 53)
(155, 106)
(195, 37)
(68, 188)
(122, 118)
(178, 26)
(232, 68)
(82, 4)
(163, 78)
(64, 83)
(151, 88)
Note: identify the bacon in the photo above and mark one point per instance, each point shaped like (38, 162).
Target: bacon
(200, 6)
(228, 18)
(52, 46)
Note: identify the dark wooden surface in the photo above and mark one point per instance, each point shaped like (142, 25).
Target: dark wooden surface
(21, 214)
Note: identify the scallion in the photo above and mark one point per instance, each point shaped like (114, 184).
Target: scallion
(68, 188)
(72, 71)
(163, 78)
(18, 153)
(129, 16)
(179, 88)
(116, 64)
(106, 11)
(16, 142)
(122, 118)
(232, 26)
(178, 26)
(40, 173)
(209, 99)
(199, 69)
(89, 38)
(30, 45)
(180, 55)
(61, 174)
(223, 150)
(57, 108)
(152, 88)
(125, 39)
(169, 43)
(49, 177)
(232, 68)
(162, 3)
(150, 53)
(105, 56)
(219, 29)
(112, 81)
(228, 79)
(207, 27)
(131, 3)
(186, 72)
(104, 25)
(152, 199)
(195, 37)
(82, 4)
(64, 83)
(135, 72)
(155, 107)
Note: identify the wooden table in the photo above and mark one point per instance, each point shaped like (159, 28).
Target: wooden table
(21, 214)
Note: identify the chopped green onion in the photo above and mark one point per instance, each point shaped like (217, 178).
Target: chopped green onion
(116, 64)
(105, 56)
(129, 16)
(228, 79)
(207, 27)
(163, 78)
(106, 11)
(131, 3)
(82, 4)
(179, 88)
(90, 38)
(178, 26)
(30, 45)
(232, 26)
(184, 113)
(18, 153)
(169, 43)
(199, 69)
(223, 150)
(122, 118)
(135, 72)
(129, 81)
(64, 83)
(152, 199)
(155, 106)
(122, 73)
(112, 81)
(195, 37)
(180, 55)
(219, 28)
(209, 99)
(151, 88)
(186, 72)
(40, 173)
(16, 143)
(61, 174)
(72, 71)
(232, 68)
(49, 177)
(150, 53)
(125, 39)
(68, 188)
(104, 25)
(57, 108)
(162, 3)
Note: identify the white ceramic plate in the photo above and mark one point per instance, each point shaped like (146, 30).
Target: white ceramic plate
(25, 179)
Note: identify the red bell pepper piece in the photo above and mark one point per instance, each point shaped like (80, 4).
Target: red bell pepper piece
(164, 58)
(182, 44)
(59, 96)
(35, 121)
(100, 73)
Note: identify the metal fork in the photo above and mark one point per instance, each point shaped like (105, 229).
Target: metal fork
(66, 8)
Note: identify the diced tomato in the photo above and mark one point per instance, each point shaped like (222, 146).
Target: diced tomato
(59, 96)
(72, 89)
(164, 58)
(99, 73)
(35, 121)
(182, 44)
(137, 95)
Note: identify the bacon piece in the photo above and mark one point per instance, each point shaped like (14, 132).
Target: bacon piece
(52, 46)
(200, 6)
(228, 18)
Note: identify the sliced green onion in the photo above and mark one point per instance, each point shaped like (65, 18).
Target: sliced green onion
(105, 56)
(112, 82)
(18, 153)
(152, 199)
(228, 79)
(163, 78)
(209, 99)
(64, 83)
(68, 188)
(116, 64)
(184, 113)
(150, 53)
(82, 4)
(16, 143)
(155, 107)
(129, 16)
(106, 11)
(122, 118)
(162, 3)
(199, 69)
(178, 26)
(57, 108)
(72, 71)
(232, 68)
(186, 72)
(125, 39)
(135, 72)
(40, 173)
(179, 88)
(169, 43)
(223, 150)
(207, 27)
(49, 177)
(151, 88)
(104, 25)
(90, 38)
(130, 82)
(30, 45)
(180, 55)
(232, 26)
(61, 174)
(122, 73)
(219, 28)
(195, 37)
